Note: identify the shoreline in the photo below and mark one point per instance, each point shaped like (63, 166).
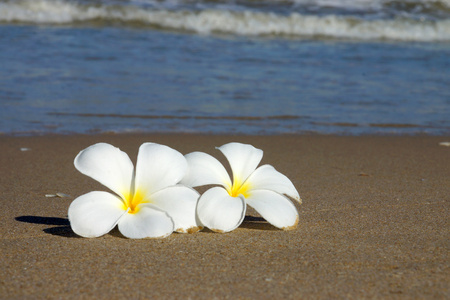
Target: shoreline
(422, 130)
(373, 224)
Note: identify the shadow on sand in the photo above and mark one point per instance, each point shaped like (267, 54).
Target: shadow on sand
(62, 229)
(257, 223)
(63, 225)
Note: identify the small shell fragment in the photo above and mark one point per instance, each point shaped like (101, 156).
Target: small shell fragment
(24, 149)
(446, 144)
(60, 195)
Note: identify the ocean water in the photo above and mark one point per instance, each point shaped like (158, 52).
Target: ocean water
(225, 66)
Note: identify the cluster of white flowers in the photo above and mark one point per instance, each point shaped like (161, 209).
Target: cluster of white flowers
(157, 198)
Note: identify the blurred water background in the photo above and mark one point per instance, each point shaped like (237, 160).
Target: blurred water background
(225, 66)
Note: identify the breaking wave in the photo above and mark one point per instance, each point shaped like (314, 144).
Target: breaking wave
(218, 21)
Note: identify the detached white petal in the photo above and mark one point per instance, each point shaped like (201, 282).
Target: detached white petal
(205, 169)
(243, 159)
(275, 208)
(220, 212)
(267, 178)
(158, 167)
(108, 165)
(180, 203)
(95, 214)
(148, 222)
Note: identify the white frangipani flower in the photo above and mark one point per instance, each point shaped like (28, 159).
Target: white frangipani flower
(222, 208)
(147, 202)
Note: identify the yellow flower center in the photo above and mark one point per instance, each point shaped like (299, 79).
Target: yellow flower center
(239, 188)
(132, 201)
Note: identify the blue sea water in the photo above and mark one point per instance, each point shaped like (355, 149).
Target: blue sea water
(266, 67)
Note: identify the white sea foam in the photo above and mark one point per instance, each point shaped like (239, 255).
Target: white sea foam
(247, 22)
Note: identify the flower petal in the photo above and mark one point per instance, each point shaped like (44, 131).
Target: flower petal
(95, 214)
(108, 165)
(267, 178)
(275, 208)
(179, 202)
(243, 159)
(205, 169)
(220, 212)
(158, 167)
(149, 221)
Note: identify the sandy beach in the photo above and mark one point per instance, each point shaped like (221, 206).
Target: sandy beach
(374, 223)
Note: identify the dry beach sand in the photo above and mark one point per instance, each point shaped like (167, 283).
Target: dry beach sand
(374, 223)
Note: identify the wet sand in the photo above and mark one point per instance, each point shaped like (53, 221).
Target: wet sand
(374, 223)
